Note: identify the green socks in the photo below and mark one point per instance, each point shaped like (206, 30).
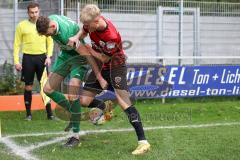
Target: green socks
(75, 115)
(72, 106)
(60, 99)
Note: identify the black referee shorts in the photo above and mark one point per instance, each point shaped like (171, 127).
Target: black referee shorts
(116, 78)
(32, 64)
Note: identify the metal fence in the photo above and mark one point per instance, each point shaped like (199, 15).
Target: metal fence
(151, 29)
(12, 12)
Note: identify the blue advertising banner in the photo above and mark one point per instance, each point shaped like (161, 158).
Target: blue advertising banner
(155, 81)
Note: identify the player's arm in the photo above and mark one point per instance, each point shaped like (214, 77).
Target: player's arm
(111, 48)
(102, 57)
(97, 72)
(50, 44)
(16, 48)
(73, 41)
(83, 50)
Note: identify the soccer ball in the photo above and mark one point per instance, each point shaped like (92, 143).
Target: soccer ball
(96, 116)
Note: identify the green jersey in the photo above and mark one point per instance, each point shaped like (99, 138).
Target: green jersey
(66, 28)
(69, 62)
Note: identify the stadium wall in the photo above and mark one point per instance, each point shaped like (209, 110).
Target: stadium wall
(16, 103)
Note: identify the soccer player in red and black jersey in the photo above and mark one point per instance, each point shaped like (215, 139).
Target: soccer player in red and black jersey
(107, 48)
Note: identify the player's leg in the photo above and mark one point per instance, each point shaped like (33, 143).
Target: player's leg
(77, 75)
(97, 107)
(123, 98)
(119, 82)
(27, 76)
(90, 90)
(60, 70)
(92, 86)
(75, 110)
(40, 66)
(28, 101)
(51, 90)
(88, 99)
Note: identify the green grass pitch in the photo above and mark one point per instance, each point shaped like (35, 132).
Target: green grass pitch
(189, 142)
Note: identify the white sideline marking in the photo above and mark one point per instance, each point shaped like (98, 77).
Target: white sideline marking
(42, 144)
(35, 134)
(24, 152)
(128, 129)
(17, 150)
(56, 140)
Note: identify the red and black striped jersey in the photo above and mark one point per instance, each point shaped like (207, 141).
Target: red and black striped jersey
(108, 42)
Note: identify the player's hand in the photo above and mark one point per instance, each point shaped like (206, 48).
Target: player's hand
(48, 61)
(103, 83)
(18, 67)
(83, 50)
(88, 47)
(72, 41)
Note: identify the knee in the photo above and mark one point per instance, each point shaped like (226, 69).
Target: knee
(28, 87)
(47, 89)
(84, 101)
(74, 83)
(72, 97)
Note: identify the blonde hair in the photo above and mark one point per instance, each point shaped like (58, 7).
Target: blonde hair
(89, 13)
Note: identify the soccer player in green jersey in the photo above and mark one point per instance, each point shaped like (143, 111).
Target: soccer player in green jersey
(69, 62)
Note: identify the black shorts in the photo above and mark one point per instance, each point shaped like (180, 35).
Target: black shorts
(116, 78)
(32, 64)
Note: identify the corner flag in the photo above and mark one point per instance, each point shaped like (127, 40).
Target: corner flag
(43, 80)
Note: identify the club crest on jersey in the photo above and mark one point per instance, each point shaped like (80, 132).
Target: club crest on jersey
(102, 44)
(110, 45)
(118, 79)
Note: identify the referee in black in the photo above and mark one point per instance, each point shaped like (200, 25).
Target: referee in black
(37, 51)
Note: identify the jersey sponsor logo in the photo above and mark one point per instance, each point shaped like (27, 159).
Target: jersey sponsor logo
(110, 45)
(97, 47)
(102, 44)
(94, 45)
(92, 42)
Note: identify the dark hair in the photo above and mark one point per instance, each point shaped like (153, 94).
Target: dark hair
(32, 5)
(42, 25)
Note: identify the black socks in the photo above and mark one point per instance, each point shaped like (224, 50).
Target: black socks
(28, 101)
(135, 120)
(49, 110)
(97, 103)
